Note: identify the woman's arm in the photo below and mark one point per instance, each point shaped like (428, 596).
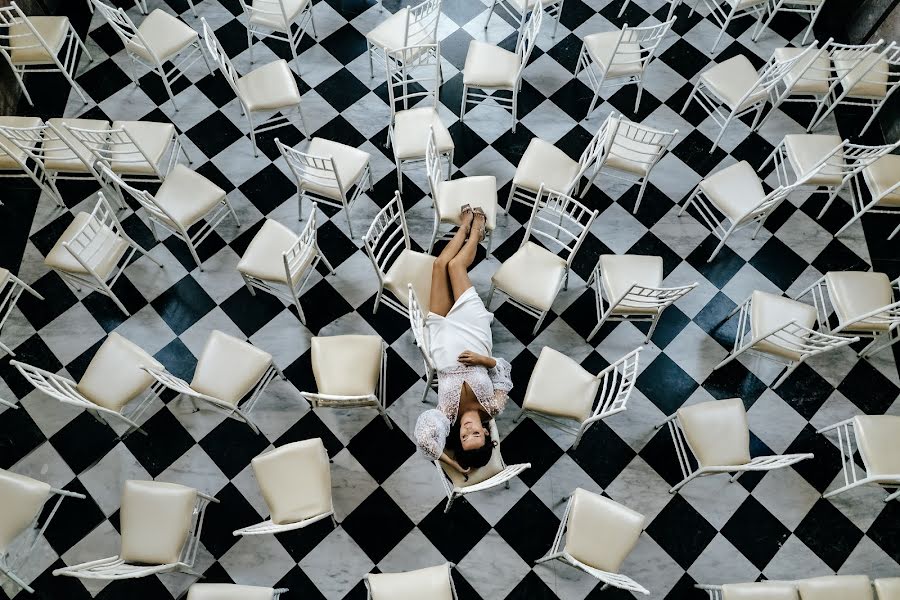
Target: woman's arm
(452, 463)
(474, 359)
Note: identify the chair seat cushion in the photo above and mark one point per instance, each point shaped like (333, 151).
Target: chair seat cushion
(23, 499)
(432, 583)
(532, 275)
(814, 81)
(544, 163)
(490, 66)
(479, 191)
(102, 255)
(855, 293)
(264, 17)
(626, 154)
(717, 432)
(593, 518)
(735, 190)
(627, 59)
(349, 163)
(155, 520)
(114, 376)
(153, 139)
(620, 272)
(888, 588)
(26, 49)
(229, 368)
(188, 196)
(731, 79)
(524, 5)
(58, 156)
(411, 133)
(481, 474)
(228, 591)
(164, 35)
(269, 87)
(10, 154)
(836, 587)
(769, 312)
(264, 257)
(762, 590)
(414, 268)
(805, 150)
(881, 175)
(390, 34)
(560, 387)
(346, 365)
(878, 437)
(861, 81)
(295, 481)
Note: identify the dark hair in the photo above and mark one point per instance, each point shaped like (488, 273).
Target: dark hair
(471, 458)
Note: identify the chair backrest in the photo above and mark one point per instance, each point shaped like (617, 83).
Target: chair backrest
(297, 256)
(616, 382)
(433, 169)
(53, 385)
(559, 221)
(774, 73)
(634, 142)
(28, 140)
(529, 34)
(818, 67)
(419, 329)
(319, 171)
(115, 184)
(883, 70)
(269, 10)
(805, 342)
(589, 156)
(217, 53)
(387, 236)
(847, 160)
(769, 203)
(124, 27)
(422, 23)
(651, 298)
(11, 287)
(96, 238)
(413, 76)
(16, 30)
(112, 145)
(856, 64)
(636, 46)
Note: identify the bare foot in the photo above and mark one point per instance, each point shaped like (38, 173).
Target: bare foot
(479, 221)
(467, 217)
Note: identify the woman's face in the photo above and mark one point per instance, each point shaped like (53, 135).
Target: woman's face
(471, 432)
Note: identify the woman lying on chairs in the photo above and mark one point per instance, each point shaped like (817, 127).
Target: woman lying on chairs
(472, 385)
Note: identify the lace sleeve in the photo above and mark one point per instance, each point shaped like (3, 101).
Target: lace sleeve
(500, 378)
(432, 429)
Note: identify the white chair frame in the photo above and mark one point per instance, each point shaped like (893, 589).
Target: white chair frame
(450, 577)
(616, 382)
(524, 46)
(128, 32)
(557, 552)
(554, 8)
(141, 5)
(115, 568)
(377, 400)
(808, 7)
(28, 136)
(417, 319)
(11, 289)
(322, 171)
(8, 404)
(421, 30)
(647, 38)
(792, 336)
(849, 467)
(275, 9)
(67, 66)
(887, 315)
(723, 14)
(8, 569)
(231, 76)
(82, 246)
(770, 78)
(565, 215)
(860, 208)
(386, 239)
(407, 70)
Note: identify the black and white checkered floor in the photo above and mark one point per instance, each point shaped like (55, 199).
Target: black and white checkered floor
(387, 497)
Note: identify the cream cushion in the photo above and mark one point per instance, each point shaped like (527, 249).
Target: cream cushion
(878, 437)
(814, 81)
(731, 79)
(226, 591)
(57, 153)
(855, 293)
(627, 59)
(524, 5)
(155, 521)
(295, 481)
(229, 368)
(392, 34)
(717, 432)
(619, 272)
(862, 84)
(164, 36)
(769, 312)
(114, 376)
(269, 87)
(881, 176)
(347, 365)
(102, 255)
(414, 268)
(490, 66)
(836, 587)
(188, 196)
(544, 163)
(411, 133)
(481, 474)
(479, 191)
(735, 190)
(349, 164)
(23, 499)
(560, 387)
(265, 8)
(627, 154)
(264, 257)
(10, 154)
(745, 3)
(888, 588)
(432, 583)
(151, 140)
(532, 275)
(601, 533)
(762, 590)
(26, 49)
(805, 150)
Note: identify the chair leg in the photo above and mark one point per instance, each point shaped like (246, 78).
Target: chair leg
(462, 107)
(15, 578)
(724, 27)
(490, 14)
(689, 98)
(637, 204)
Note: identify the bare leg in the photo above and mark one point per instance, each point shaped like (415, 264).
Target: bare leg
(441, 296)
(459, 265)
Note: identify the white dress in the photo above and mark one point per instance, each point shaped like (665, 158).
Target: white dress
(466, 327)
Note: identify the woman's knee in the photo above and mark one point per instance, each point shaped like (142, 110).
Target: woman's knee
(440, 266)
(458, 264)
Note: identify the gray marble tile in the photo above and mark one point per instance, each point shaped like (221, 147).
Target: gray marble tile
(334, 578)
(257, 560)
(507, 568)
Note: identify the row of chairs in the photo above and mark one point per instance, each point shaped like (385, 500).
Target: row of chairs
(846, 587)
